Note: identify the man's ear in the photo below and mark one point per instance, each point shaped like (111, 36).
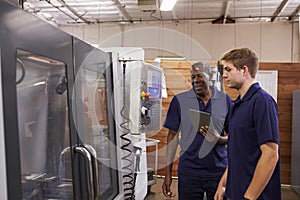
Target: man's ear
(245, 69)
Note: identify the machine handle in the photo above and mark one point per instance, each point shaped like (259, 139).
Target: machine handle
(86, 154)
(95, 170)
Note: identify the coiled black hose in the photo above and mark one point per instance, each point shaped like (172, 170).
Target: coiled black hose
(127, 168)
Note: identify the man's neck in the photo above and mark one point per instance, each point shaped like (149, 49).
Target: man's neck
(205, 98)
(245, 87)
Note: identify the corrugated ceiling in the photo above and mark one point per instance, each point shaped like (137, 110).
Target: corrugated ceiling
(131, 11)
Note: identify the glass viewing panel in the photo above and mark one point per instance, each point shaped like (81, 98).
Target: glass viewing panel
(43, 127)
(96, 132)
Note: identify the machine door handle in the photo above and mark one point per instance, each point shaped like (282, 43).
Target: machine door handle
(86, 154)
(95, 170)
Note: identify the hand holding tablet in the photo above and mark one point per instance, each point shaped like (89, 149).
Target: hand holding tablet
(199, 118)
(202, 122)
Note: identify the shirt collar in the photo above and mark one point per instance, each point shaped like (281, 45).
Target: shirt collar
(251, 91)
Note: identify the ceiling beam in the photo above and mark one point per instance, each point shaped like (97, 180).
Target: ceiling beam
(70, 9)
(224, 18)
(279, 9)
(73, 11)
(293, 16)
(226, 11)
(122, 10)
(174, 16)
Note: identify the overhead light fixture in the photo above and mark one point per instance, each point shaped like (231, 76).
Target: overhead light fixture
(169, 58)
(167, 5)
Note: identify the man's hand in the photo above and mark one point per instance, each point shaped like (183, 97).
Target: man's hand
(166, 188)
(220, 193)
(209, 134)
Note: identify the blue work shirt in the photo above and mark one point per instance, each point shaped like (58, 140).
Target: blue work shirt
(214, 163)
(253, 122)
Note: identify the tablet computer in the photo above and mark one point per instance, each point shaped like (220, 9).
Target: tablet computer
(199, 118)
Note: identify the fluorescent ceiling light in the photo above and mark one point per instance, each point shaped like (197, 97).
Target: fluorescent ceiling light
(167, 5)
(169, 58)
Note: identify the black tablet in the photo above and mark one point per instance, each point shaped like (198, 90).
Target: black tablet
(199, 118)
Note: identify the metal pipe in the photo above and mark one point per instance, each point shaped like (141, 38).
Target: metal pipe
(122, 10)
(73, 11)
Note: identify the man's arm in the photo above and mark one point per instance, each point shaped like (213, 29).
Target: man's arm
(264, 170)
(223, 140)
(221, 187)
(172, 143)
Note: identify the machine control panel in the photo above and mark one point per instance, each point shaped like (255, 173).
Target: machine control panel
(144, 86)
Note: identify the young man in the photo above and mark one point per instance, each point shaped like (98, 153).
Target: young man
(201, 162)
(253, 145)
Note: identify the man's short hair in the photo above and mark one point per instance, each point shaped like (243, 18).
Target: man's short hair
(205, 67)
(240, 57)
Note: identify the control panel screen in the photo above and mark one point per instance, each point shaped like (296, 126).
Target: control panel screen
(154, 84)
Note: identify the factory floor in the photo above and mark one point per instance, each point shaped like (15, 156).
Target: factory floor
(156, 192)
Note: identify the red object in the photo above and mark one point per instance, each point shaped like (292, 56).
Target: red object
(147, 95)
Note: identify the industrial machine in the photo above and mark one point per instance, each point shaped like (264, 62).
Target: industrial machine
(57, 131)
(143, 84)
(138, 105)
(59, 114)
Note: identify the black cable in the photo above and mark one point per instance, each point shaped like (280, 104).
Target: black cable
(129, 183)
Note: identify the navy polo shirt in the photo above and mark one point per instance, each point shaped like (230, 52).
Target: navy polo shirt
(191, 142)
(253, 122)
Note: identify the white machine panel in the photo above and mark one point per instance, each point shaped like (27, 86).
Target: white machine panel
(126, 53)
(143, 90)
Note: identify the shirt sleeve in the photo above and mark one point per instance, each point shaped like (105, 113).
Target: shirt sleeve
(173, 118)
(266, 119)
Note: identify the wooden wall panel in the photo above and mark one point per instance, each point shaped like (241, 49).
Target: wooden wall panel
(178, 80)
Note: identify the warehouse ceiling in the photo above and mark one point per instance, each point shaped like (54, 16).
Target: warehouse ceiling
(137, 11)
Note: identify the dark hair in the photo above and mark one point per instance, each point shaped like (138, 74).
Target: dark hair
(242, 57)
